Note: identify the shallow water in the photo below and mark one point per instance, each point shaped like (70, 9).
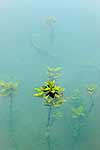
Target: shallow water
(27, 47)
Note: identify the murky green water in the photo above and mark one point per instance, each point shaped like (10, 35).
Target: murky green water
(33, 36)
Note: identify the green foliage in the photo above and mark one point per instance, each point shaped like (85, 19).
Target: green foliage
(50, 20)
(57, 115)
(78, 111)
(78, 108)
(76, 95)
(91, 89)
(51, 93)
(54, 73)
(7, 88)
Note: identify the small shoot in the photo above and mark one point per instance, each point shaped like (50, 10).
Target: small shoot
(91, 89)
(54, 73)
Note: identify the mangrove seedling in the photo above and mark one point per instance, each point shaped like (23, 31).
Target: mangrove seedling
(7, 89)
(91, 89)
(52, 96)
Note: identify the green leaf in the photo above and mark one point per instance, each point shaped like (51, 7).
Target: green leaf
(37, 89)
(78, 111)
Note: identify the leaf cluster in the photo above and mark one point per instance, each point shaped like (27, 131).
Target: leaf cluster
(7, 88)
(51, 93)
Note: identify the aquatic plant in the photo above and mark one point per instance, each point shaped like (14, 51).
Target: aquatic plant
(80, 110)
(7, 89)
(77, 107)
(78, 115)
(91, 89)
(52, 97)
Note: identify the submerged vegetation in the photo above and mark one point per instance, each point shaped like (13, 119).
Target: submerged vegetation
(80, 110)
(8, 89)
(44, 42)
(52, 96)
(49, 113)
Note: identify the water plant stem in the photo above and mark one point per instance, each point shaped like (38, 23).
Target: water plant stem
(48, 127)
(52, 35)
(49, 116)
(13, 142)
(11, 112)
(91, 105)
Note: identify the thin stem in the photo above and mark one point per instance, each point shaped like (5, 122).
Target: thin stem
(77, 132)
(49, 116)
(49, 141)
(91, 105)
(52, 34)
(41, 51)
(11, 111)
(13, 142)
(48, 127)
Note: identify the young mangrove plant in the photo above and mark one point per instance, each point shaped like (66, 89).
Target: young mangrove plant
(52, 97)
(7, 89)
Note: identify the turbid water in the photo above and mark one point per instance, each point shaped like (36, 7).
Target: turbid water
(33, 36)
